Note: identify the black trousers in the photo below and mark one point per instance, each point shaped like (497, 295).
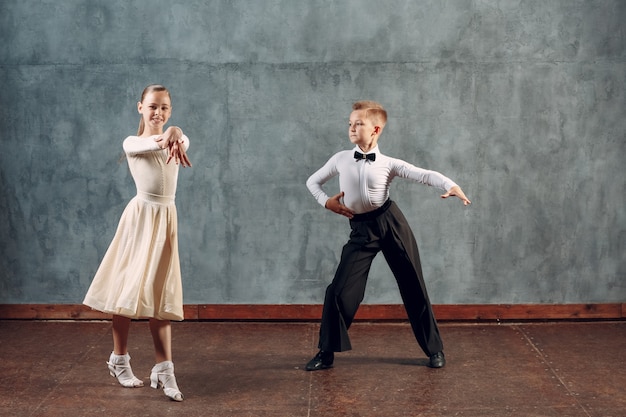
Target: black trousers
(384, 229)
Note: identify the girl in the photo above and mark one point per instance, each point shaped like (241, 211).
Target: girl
(139, 276)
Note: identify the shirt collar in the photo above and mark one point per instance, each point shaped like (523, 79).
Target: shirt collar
(374, 150)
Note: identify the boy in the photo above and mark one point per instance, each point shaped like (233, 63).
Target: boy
(377, 224)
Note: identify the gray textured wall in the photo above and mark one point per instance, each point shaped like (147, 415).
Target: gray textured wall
(521, 102)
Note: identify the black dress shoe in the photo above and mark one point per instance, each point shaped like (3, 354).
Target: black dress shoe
(323, 360)
(438, 360)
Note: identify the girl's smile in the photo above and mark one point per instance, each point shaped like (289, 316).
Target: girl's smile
(155, 109)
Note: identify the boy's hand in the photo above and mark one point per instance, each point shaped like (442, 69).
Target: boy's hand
(456, 191)
(334, 204)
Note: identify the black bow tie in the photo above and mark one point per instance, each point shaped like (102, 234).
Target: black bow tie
(369, 156)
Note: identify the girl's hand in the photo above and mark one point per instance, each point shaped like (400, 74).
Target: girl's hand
(177, 151)
(171, 135)
(172, 139)
(456, 191)
(334, 204)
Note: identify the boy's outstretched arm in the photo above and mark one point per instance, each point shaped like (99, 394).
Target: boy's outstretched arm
(334, 204)
(456, 191)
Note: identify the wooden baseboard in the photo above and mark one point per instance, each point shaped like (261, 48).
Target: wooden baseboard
(313, 312)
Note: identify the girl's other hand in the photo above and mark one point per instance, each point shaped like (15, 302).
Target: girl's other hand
(172, 139)
(177, 151)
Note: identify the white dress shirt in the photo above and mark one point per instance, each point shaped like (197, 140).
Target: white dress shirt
(366, 183)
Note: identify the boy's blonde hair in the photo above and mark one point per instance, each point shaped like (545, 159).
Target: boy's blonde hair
(373, 111)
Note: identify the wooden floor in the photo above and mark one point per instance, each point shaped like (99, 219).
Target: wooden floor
(57, 368)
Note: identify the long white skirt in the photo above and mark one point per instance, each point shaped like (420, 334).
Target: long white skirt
(139, 276)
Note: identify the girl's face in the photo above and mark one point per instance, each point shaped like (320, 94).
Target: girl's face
(155, 109)
(362, 131)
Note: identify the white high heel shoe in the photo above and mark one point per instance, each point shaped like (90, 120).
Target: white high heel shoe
(163, 376)
(119, 367)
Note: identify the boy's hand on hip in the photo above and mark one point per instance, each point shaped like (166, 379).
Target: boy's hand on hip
(456, 191)
(334, 204)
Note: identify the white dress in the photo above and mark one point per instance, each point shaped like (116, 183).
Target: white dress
(139, 276)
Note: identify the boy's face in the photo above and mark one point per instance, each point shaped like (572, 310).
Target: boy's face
(362, 131)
